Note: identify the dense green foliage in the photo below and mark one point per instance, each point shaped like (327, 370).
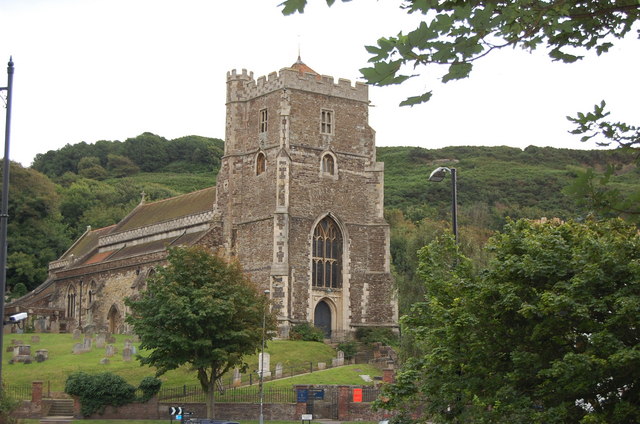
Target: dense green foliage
(47, 214)
(7, 406)
(99, 390)
(149, 386)
(547, 333)
(306, 332)
(146, 152)
(201, 311)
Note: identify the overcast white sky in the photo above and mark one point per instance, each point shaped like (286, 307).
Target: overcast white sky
(88, 70)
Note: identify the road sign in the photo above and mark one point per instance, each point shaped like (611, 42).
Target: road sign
(176, 410)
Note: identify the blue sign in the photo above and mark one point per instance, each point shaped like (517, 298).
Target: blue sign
(303, 395)
(178, 417)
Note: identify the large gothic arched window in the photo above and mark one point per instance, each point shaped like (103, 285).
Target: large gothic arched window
(327, 253)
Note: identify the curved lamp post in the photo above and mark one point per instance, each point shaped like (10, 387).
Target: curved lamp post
(438, 175)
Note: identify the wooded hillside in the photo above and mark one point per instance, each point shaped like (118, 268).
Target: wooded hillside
(97, 184)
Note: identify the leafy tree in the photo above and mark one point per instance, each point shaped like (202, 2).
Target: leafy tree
(548, 333)
(148, 151)
(202, 311)
(121, 166)
(455, 34)
(599, 190)
(35, 231)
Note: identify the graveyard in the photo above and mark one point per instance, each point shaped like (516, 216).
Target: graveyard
(51, 357)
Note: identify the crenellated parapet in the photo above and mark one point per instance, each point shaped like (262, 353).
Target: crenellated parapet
(242, 86)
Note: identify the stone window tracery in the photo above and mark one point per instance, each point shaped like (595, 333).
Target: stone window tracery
(327, 252)
(261, 163)
(326, 121)
(263, 120)
(328, 165)
(71, 301)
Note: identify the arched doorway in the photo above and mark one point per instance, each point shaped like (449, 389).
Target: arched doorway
(322, 318)
(113, 319)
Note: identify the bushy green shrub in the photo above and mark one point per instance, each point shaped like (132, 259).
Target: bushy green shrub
(306, 332)
(150, 386)
(369, 335)
(99, 390)
(349, 349)
(7, 405)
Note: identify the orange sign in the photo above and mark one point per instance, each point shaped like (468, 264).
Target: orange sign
(357, 395)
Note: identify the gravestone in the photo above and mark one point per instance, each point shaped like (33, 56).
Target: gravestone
(111, 339)
(22, 353)
(17, 342)
(42, 355)
(87, 343)
(89, 330)
(279, 370)
(101, 339)
(264, 365)
(126, 354)
(40, 325)
(237, 378)
(78, 348)
(110, 350)
(76, 334)
(105, 361)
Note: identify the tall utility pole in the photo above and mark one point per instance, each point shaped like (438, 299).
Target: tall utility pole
(4, 209)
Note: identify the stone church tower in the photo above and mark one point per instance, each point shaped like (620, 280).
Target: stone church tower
(301, 195)
(298, 201)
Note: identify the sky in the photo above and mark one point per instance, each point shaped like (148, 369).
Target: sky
(89, 70)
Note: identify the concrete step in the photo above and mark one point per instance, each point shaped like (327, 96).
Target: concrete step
(61, 408)
(56, 420)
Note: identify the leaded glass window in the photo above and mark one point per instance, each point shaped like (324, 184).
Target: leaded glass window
(327, 251)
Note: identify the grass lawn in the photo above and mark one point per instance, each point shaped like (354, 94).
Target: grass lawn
(54, 371)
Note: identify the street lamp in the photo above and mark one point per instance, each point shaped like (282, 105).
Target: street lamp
(438, 175)
(264, 322)
(4, 212)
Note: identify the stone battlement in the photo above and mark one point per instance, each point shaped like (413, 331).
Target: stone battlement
(242, 86)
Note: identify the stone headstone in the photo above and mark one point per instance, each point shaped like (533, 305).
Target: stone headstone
(264, 366)
(44, 353)
(78, 348)
(237, 378)
(87, 343)
(105, 361)
(111, 339)
(76, 334)
(322, 365)
(89, 330)
(126, 354)
(40, 325)
(17, 342)
(339, 361)
(279, 370)
(110, 350)
(101, 339)
(22, 353)
(35, 339)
